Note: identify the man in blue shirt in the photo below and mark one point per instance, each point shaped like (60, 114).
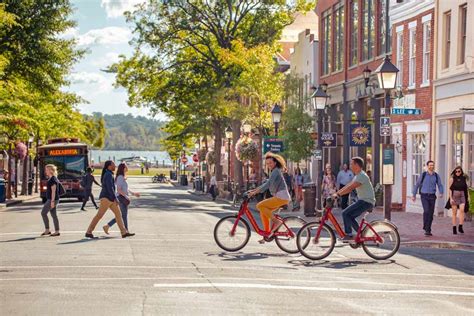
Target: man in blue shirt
(344, 177)
(426, 186)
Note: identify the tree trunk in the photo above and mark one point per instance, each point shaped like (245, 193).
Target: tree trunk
(238, 173)
(9, 178)
(15, 188)
(24, 181)
(207, 178)
(218, 147)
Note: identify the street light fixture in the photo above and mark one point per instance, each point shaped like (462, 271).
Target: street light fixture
(324, 86)
(367, 73)
(320, 98)
(276, 117)
(387, 74)
(228, 135)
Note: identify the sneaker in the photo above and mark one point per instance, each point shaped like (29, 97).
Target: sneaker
(347, 239)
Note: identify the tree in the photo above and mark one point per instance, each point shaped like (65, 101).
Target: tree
(188, 76)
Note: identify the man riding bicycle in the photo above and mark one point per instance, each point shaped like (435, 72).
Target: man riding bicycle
(279, 190)
(365, 192)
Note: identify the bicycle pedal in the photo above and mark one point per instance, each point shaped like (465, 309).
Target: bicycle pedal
(269, 238)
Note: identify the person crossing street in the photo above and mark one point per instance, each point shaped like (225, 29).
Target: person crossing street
(87, 182)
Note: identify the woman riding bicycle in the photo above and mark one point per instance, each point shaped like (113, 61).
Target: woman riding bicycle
(279, 190)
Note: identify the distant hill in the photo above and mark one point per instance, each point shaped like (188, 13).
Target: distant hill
(127, 132)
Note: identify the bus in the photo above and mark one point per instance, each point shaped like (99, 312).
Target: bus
(71, 157)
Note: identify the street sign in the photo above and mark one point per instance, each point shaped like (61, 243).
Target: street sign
(328, 140)
(318, 154)
(385, 131)
(404, 111)
(388, 162)
(275, 145)
(385, 121)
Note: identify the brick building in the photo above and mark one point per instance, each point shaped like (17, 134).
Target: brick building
(352, 38)
(413, 50)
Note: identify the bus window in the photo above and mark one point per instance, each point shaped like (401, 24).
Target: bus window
(74, 166)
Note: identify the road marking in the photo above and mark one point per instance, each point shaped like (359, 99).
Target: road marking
(305, 288)
(36, 234)
(283, 269)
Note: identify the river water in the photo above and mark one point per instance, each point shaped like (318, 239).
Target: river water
(99, 156)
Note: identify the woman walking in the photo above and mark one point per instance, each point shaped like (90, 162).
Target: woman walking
(458, 197)
(52, 200)
(122, 196)
(213, 187)
(87, 182)
(298, 180)
(329, 184)
(108, 199)
(280, 196)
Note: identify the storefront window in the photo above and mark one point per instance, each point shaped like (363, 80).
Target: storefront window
(419, 155)
(457, 144)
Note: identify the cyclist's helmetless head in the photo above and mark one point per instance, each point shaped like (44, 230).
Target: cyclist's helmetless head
(357, 164)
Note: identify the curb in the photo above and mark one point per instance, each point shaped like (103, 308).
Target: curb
(11, 203)
(438, 244)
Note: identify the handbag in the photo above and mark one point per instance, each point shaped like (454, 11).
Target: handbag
(122, 199)
(448, 204)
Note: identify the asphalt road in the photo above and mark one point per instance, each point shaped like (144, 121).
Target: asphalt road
(173, 266)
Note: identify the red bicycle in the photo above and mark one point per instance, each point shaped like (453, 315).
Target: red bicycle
(379, 239)
(232, 233)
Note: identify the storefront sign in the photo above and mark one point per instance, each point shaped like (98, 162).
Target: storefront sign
(275, 145)
(360, 135)
(328, 140)
(318, 154)
(64, 152)
(468, 122)
(388, 162)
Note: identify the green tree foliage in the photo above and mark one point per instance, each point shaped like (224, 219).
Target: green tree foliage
(186, 62)
(297, 124)
(126, 132)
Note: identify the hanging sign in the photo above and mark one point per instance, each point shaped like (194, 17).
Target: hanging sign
(468, 123)
(275, 145)
(360, 135)
(328, 140)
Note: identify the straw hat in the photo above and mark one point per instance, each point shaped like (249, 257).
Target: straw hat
(278, 158)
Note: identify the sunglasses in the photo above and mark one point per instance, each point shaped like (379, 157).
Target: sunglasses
(458, 171)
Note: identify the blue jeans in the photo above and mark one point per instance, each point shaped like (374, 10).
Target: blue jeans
(352, 212)
(429, 203)
(124, 211)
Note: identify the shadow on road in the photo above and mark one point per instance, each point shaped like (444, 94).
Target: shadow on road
(339, 264)
(242, 256)
(20, 239)
(84, 240)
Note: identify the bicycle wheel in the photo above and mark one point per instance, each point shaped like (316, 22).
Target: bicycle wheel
(288, 243)
(228, 241)
(314, 249)
(390, 240)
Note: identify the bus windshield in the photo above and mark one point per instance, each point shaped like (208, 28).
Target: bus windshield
(68, 166)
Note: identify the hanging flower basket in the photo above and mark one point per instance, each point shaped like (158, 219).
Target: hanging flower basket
(211, 158)
(246, 149)
(21, 150)
(202, 154)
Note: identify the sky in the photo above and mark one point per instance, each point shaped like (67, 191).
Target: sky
(102, 30)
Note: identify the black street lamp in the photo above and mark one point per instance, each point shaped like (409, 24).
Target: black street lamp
(387, 77)
(319, 100)
(276, 117)
(367, 73)
(228, 135)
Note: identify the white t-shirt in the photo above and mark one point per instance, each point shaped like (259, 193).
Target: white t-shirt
(213, 180)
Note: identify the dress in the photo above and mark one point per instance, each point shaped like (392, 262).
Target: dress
(329, 186)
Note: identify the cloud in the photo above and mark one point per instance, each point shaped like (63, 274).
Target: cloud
(106, 35)
(100, 83)
(106, 60)
(116, 8)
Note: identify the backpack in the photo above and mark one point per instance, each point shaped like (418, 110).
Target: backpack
(423, 175)
(61, 191)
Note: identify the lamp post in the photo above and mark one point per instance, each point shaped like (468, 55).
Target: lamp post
(276, 117)
(319, 100)
(387, 77)
(30, 165)
(228, 135)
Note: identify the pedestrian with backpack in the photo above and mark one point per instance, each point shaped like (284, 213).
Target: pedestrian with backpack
(87, 182)
(53, 191)
(426, 186)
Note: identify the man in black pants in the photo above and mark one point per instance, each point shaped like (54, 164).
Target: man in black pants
(87, 181)
(426, 186)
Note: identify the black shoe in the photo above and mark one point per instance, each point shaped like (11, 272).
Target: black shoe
(128, 235)
(461, 231)
(83, 209)
(347, 239)
(45, 234)
(89, 236)
(427, 234)
(454, 230)
(55, 234)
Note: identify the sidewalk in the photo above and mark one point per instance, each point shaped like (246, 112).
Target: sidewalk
(18, 200)
(409, 226)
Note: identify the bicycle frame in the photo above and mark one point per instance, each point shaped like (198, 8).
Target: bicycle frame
(245, 211)
(329, 216)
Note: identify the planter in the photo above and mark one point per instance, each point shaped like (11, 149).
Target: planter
(246, 149)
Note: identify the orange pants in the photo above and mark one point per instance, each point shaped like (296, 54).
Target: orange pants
(267, 207)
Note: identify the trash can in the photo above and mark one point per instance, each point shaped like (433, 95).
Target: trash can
(198, 184)
(2, 191)
(309, 198)
(184, 180)
(30, 186)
